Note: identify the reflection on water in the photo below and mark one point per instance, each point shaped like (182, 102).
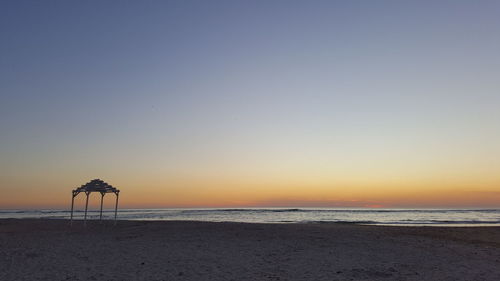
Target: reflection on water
(456, 217)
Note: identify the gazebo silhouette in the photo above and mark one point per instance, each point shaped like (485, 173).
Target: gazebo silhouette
(96, 185)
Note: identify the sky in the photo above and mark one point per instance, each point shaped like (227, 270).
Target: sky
(251, 103)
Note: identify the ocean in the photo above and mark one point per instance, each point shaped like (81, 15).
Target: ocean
(410, 217)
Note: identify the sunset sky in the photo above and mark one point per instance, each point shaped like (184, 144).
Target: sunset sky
(251, 103)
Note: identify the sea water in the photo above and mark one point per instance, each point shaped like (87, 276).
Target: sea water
(436, 217)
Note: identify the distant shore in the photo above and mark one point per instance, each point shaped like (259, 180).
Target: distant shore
(48, 249)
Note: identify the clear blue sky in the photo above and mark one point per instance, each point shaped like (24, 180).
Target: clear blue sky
(150, 91)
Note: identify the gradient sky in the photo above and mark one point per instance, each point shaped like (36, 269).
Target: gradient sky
(251, 103)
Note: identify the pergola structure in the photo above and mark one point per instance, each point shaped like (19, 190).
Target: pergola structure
(96, 185)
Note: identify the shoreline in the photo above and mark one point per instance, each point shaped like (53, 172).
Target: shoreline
(397, 217)
(49, 249)
(433, 225)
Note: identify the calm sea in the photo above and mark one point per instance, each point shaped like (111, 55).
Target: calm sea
(438, 217)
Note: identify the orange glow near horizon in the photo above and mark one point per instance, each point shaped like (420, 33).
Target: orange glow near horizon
(201, 193)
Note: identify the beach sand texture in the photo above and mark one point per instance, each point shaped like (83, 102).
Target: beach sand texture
(139, 250)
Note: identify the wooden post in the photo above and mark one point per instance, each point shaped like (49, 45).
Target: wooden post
(72, 204)
(102, 198)
(86, 207)
(116, 206)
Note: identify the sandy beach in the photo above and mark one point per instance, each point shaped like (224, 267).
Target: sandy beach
(179, 250)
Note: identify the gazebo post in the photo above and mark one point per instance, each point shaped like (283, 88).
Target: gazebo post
(72, 204)
(86, 207)
(116, 206)
(102, 198)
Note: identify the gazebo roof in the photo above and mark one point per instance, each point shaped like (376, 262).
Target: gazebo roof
(97, 185)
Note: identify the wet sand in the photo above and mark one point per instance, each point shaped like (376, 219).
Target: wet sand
(179, 250)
